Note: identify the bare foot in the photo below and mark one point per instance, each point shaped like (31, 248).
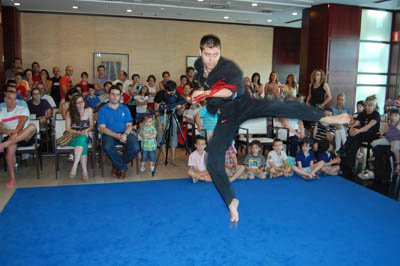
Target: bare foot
(336, 119)
(233, 210)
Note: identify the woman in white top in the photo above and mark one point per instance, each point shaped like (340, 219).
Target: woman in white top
(290, 88)
(151, 84)
(141, 100)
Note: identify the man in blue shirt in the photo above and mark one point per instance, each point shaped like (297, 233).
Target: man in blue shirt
(115, 122)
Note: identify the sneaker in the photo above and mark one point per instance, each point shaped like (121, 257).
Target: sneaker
(152, 168)
(366, 174)
(371, 174)
(71, 157)
(142, 169)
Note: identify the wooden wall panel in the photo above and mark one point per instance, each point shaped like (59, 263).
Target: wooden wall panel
(286, 52)
(11, 32)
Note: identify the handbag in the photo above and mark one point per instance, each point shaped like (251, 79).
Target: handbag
(65, 138)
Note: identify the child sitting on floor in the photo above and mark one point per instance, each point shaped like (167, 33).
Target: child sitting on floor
(198, 170)
(325, 154)
(277, 161)
(305, 162)
(254, 163)
(232, 168)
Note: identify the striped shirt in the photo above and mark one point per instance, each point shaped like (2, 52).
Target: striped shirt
(9, 120)
(322, 130)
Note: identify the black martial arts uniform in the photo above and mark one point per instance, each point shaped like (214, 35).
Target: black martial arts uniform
(234, 111)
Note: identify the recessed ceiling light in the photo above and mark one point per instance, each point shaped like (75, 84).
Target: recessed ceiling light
(17, 4)
(269, 20)
(226, 17)
(254, 4)
(200, 0)
(75, 7)
(129, 10)
(294, 13)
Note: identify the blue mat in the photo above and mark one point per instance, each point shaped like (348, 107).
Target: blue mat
(285, 221)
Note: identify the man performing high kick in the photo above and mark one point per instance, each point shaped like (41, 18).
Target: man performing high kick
(222, 82)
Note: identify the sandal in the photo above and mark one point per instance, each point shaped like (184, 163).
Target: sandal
(85, 178)
(10, 183)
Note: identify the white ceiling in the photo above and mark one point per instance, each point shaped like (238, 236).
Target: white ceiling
(271, 13)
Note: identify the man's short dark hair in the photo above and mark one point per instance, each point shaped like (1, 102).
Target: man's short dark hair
(306, 141)
(100, 66)
(362, 103)
(39, 83)
(393, 110)
(189, 68)
(107, 82)
(151, 76)
(91, 86)
(165, 72)
(135, 75)
(114, 87)
(198, 137)
(21, 74)
(35, 63)
(256, 142)
(17, 58)
(183, 76)
(170, 85)
(35, 88)
(276, 140)
(209, 41)
(119, 84)
(84, 73)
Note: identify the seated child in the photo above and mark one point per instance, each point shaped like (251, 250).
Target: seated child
(305, 162)
(148, 135)
(325, 154)
(277, 161)
(323, 131)
(232, 168)
(91, 98)
(197, 164)
(254, 162)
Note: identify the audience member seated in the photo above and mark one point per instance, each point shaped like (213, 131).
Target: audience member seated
(190, 76)
(290, 87)
(22, 85)
(91, 98)
(364, 129)
(35, 72)
(65, 105)
(45, 79)
(341, 130)
(254, 162)
(12, 87)
(166, 76)
(391, 135)
(66, 82)
(167, 99)
(55, 88)
(115, 122)
(296, 132)
(100, 80)
(273, 87)
(256, 86)
(277, 161)
(331, 164)
(323, 131)
(17, 63)
(183, 80)
(28, 74)
(39, 107)
(45, 96)
(84, 84)
(14, 122)
(151, 83)
(305, 162)
(198, 170)
(232, 168)
(148, 133)
(79, 120)
(123, 78)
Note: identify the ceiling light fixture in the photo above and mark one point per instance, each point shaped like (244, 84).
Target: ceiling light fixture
(129, 10)
(17, 4)
(75, 7)
(294, 13)
(200, 0)
(269, 20)
(254, 4)
(226, 17)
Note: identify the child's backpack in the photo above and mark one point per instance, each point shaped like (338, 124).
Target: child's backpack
(383, 164)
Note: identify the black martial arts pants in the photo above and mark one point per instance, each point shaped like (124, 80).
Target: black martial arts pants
(234, 113)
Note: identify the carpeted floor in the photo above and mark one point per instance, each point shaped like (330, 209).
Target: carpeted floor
(285, 221)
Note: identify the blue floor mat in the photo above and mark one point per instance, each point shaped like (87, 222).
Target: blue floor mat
(284, 221)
